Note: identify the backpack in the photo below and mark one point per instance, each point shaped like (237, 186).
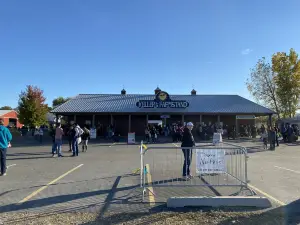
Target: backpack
(80, 131)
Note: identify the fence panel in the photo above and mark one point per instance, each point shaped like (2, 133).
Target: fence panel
(210, 166)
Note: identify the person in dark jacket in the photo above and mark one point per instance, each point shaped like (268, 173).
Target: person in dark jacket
(187, 143)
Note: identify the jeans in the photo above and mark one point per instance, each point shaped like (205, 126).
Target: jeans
(58, 143)
(54, 148)
(75, 146)
(188, 153)
(3, 160)
(70, 144)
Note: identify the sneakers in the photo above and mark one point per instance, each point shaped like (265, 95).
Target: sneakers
(3, 174)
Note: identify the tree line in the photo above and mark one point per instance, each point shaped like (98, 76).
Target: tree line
(276, 84)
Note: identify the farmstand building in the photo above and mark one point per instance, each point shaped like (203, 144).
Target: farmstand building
(132, 112)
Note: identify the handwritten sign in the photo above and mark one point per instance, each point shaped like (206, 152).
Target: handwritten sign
(210, 161)
(131, 138)
(93, 133)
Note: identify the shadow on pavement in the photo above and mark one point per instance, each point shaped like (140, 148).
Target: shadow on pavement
(285, 215)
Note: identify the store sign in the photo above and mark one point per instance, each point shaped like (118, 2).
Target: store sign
(245, 117)
(165, 116)
(162, 100)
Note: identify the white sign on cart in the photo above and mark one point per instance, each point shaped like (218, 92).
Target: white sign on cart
(210, 161)
(131, 138)
(93, 133)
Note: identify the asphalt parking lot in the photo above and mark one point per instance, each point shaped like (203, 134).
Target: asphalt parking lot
(105, 179)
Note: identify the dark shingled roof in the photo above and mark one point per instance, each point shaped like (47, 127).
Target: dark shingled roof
(117, 103)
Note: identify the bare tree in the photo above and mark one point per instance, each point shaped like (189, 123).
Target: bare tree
(262, 86)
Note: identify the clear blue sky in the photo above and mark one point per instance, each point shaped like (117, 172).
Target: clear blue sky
(68, 47)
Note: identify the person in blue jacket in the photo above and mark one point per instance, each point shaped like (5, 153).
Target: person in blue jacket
(5, 139)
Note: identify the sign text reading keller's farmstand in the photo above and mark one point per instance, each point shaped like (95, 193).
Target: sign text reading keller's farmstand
(162, 100)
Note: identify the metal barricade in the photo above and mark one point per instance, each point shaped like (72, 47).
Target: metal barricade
(209, 165)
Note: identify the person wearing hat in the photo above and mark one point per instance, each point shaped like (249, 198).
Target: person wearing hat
(5, 139)
(187, 144)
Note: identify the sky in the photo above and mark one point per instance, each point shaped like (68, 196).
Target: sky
(68, 47)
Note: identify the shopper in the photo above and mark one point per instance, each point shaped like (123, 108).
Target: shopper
(5, 139)
(85, 139)
(187, 144)
(58, 139)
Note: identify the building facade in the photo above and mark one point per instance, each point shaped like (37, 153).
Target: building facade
(10, 118)
(132, 112)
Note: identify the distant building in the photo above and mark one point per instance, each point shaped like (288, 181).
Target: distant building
(10, 118)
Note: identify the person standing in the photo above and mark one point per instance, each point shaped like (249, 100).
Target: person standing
(52, 135)
(41, 134)
(70, 138)
(276, 129)
(58, 139)
(187, 144)
(76, 134)
(85, 139)
(5, 139)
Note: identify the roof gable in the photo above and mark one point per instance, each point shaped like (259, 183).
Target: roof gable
(116, 103)
(4, 112)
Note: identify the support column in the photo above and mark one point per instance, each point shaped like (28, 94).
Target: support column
(219, 120)
(74, 118)
(182, 119)
(129, 123)
(93, 122)
(147, 119)
(270, 120)
(111, 119)
(201, 119)
(56, 119)
(236, 125)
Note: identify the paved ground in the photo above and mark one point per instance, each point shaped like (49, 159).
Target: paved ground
(103, 180)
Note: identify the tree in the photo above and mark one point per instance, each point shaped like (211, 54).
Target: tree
(262, 85)
(287, 71)
(58, 101)
(6, 108)
(32, 107)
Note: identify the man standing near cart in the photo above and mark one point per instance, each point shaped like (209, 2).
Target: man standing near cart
(187, 144)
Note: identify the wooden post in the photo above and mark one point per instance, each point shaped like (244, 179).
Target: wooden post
(93, 121)
(111, 119)
(129, 124)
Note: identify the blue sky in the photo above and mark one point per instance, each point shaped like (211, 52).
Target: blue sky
(68, 47)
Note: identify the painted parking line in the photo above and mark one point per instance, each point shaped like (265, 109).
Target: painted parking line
(47, 185)
(283, 168)
(112, 145)
(150, 188)
(280, 203)
(11, 165)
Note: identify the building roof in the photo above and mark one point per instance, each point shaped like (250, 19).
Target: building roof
(117, 103)
(4, 111)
